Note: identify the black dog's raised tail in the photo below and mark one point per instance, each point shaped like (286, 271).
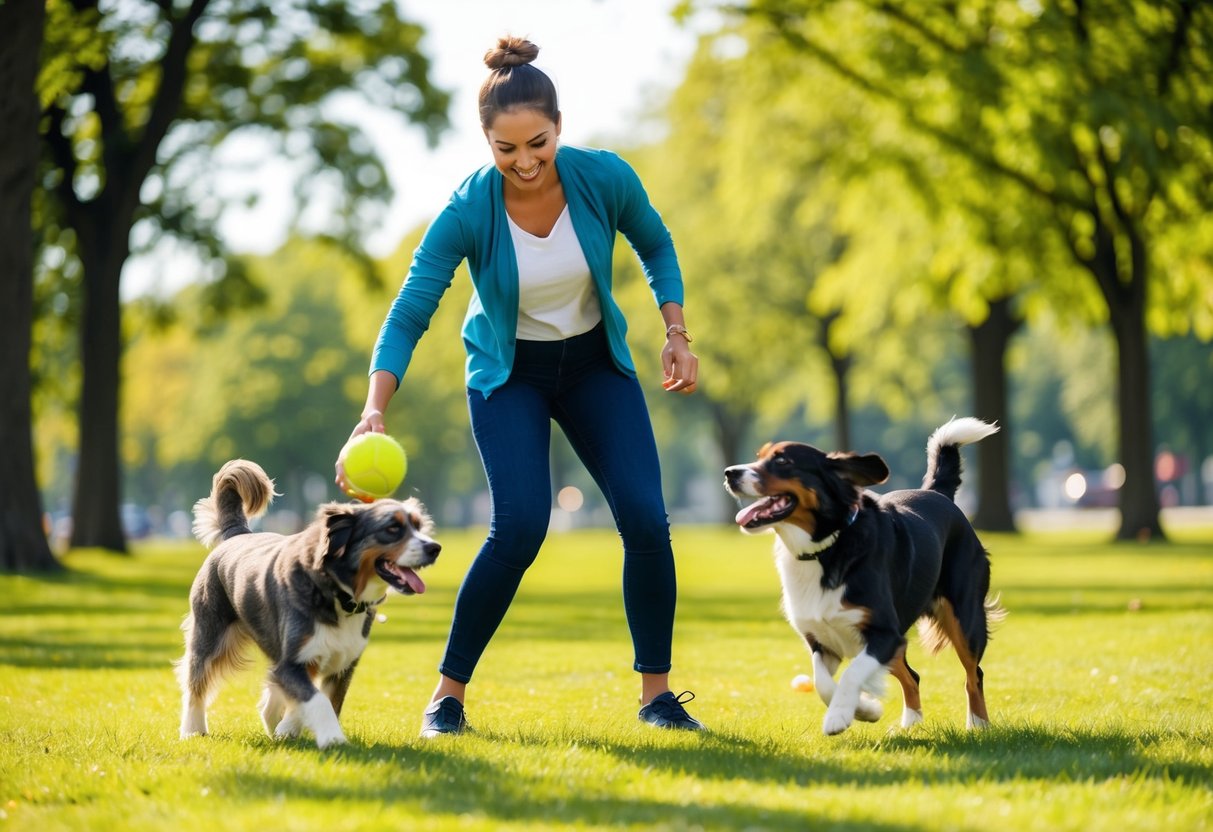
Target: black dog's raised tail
(240, 491)
(943, 453)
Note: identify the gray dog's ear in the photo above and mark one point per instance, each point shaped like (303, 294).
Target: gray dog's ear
(339, 520)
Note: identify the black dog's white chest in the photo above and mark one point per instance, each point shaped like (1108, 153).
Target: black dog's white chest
(818, 612)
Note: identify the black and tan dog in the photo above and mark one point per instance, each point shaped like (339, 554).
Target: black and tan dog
(858, 569)
(306, 600)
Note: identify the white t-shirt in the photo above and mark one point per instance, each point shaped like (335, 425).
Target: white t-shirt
(556, 296)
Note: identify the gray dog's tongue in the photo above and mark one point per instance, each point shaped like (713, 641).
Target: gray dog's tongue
(408, 576)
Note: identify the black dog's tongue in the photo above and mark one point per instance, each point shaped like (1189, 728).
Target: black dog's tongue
(755, 513)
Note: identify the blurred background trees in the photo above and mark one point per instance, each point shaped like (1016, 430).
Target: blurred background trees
(1093, 125)
(887, 214)
(139, 99)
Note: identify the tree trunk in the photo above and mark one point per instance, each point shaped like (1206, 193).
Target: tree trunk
(96, 520)
(989, 342)
(730, 426)
(840, 366)
(1139, 507)
(23, 544)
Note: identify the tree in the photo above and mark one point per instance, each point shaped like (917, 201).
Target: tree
(23, 544)
(1097, 116)
(805, 252)
(143, 96)
(748, 265)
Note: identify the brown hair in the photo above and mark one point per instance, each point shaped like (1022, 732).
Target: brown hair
(513, 82)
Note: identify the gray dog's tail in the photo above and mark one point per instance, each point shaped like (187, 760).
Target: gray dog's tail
(240, 491)
(943, 453)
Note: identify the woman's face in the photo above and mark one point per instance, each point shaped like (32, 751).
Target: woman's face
(524, 146)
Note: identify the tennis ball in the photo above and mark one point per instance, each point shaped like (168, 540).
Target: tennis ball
(802, 682)
(375, 465)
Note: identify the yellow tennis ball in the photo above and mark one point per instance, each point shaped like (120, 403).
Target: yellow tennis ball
(375, 464)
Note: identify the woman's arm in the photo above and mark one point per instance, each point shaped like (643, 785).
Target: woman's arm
(430, 274)
(380, 389)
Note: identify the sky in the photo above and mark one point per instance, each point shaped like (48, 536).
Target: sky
(609, 58)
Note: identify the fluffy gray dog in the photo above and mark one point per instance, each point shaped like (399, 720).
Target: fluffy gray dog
(307, 600)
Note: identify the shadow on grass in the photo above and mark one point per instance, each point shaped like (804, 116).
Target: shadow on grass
(71, 589)
(1042, 752)
(468, 781)
(1105, 598)
(1048, 546)
(939, 756)
(434, 779)
(58, 652)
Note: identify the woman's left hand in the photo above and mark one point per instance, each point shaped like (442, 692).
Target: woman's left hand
(681, 366)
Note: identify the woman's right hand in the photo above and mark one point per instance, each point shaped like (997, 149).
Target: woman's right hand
(372, 420)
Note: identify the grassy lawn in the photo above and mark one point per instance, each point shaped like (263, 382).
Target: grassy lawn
(1098, 685)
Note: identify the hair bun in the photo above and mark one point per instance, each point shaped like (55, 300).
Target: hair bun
(510, 52)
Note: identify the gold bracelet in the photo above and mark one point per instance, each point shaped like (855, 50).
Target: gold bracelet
(678, 329)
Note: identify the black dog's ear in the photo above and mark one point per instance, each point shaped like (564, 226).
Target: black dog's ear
(859, 469)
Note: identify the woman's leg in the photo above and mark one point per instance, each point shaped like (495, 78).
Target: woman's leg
(607, 422)
(512, 428)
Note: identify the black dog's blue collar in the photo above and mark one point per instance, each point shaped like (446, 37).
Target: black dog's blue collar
(830, 539)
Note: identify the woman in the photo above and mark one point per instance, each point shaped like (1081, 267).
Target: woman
(545, 341)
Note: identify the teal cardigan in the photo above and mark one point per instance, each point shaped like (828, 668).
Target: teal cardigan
(604, 196)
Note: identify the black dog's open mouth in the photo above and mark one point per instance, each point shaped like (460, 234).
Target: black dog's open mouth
(400, 578)
(766, 511)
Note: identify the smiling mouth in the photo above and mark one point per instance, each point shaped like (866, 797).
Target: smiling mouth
(528, 175)
(766, 511)
(400, 578)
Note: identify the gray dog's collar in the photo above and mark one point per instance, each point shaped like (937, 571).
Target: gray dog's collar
(357, 607)
(345, 598)
(353, 607)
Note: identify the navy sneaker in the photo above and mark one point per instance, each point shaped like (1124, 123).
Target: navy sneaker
(444, 717)
(666, 711)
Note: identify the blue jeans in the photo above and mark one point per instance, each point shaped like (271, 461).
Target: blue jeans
(604, 416)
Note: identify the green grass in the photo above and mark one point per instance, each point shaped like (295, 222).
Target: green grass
(1098, 686)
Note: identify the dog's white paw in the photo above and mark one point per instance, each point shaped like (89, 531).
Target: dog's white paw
(910, 718)
(325, 739)
(869, 709)
(836, 721)
(318, 716)
(272, 706)
(289, 727)
(976, 723)
(193, 723)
